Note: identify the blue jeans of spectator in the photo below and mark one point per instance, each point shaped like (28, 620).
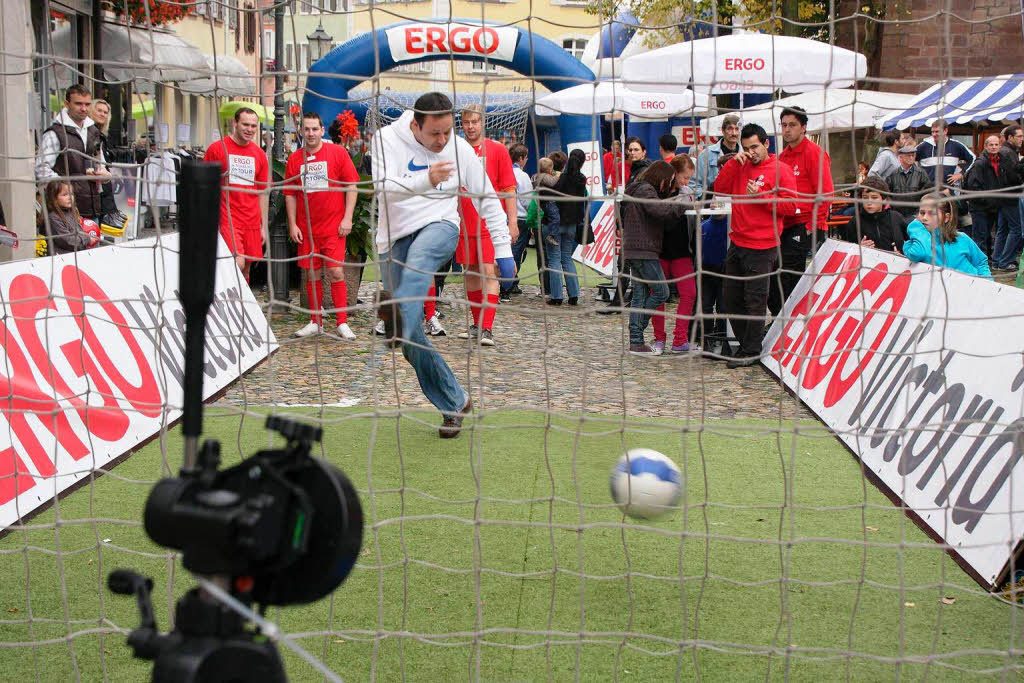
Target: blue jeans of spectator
(1008, 238)
(407, 272)
(518, 252)
(560, 263)
(982, 223)
(649, 291)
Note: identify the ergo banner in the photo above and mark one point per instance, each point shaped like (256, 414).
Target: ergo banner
(93, 347)
(920, 372)
(415, 41)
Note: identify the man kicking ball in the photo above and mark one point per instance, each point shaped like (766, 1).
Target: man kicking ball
(319, 199)
(419, 167)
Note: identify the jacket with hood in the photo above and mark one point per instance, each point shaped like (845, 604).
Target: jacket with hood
(907, 188)
(645, 222)
(544, 184)
(925, 246)
(757, 219)
(982, 177)
(408, 201)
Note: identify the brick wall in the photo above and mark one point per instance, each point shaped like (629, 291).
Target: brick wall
(922, 46)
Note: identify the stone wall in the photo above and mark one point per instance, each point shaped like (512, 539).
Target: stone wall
(932, 40)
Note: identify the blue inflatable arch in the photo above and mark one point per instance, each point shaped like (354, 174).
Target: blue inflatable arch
(362, 58)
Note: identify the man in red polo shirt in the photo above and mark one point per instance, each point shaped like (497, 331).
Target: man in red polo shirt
(479, 250)
(319, 199)
(244, 201)
(812, 170)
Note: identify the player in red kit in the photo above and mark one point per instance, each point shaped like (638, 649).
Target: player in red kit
(812, 171)
(244, 200)
(479, 251)
(319, 199)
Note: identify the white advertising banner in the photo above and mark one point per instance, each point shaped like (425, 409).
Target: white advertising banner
(601, 253)
(418, 40)
(93, 347)
(919, 371)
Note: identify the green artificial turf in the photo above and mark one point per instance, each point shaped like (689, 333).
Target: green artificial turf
(475, 548)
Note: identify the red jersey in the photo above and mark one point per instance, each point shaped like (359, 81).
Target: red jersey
(497, 164)
(245, 168)
(322, 178)
(757, 220)
(807, 161)
(613, 168)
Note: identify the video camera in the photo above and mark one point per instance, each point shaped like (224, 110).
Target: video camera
(280, 528)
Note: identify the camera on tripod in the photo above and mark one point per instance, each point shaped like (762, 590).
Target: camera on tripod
(280, 528)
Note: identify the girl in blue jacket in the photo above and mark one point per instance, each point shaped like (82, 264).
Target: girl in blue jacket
(933, 238)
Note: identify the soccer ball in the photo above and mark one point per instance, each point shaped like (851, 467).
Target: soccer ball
(645, 483)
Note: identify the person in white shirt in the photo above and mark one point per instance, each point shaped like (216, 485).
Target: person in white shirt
(419, 170)
(71, 149)
(524, 195)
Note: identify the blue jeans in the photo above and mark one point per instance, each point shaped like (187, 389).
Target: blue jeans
(981, 229)
(649, 291)
(408, 270)
(1008, 238)
(518, 252)
(560, 263)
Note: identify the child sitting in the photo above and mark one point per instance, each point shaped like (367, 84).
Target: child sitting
(61, 223)
(933, 238)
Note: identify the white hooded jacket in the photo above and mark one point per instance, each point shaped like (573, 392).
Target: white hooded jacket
(407, 201)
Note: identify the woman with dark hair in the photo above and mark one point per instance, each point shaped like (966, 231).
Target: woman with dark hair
(647, 213)
(636, 156)
(572, 186)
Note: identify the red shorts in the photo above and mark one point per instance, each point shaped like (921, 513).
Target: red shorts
(323, 251)
(246, 242)
(474, 250)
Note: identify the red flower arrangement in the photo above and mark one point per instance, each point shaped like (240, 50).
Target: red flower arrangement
(154, 12)
(349, 128)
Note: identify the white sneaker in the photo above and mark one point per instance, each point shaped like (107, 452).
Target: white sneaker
(435, 328)
(309, 330)
(346, 332)
(378, 329)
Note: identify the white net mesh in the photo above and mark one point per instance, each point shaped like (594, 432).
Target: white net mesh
(850, 502)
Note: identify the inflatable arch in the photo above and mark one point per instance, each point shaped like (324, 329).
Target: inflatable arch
(432, 39)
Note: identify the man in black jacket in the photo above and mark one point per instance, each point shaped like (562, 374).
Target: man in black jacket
(994, 170)
(1009, 231)
(908, 183)
(876, 225)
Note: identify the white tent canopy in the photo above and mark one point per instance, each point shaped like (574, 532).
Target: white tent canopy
(607, 97)
(233, 79)
(745, 63)
(826, 110)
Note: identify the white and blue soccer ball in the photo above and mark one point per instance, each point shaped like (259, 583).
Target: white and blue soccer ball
(646, 484)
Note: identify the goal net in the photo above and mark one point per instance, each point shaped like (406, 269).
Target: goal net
(829, 355)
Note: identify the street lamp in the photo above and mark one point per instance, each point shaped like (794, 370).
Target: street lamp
(319, 42)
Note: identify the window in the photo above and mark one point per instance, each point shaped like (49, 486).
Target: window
(305, 57)
(268, 44)
(251, 29)
(201, 8)
(484, 67)
(414, 68)
(232, 12)
(575, 46)
(288, 52)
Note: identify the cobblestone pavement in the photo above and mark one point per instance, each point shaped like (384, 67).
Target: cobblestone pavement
(563, 359)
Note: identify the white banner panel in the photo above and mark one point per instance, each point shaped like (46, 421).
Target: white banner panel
(93, 359)
(602, 252)
(920, 372)
(415, 41)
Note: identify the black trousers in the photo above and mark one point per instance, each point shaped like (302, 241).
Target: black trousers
(745, 293)
(795, 245)
(711, 306)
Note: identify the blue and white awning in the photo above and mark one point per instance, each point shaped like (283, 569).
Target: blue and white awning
(996, 98)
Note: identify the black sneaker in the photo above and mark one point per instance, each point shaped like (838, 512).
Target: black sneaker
(391, 315)
(742, 362)
(574, 300)
(486, 338)
(514, 290)
(472, 333)
(451, 426)
(505, 298)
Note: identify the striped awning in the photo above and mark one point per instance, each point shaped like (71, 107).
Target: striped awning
(995, 98)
